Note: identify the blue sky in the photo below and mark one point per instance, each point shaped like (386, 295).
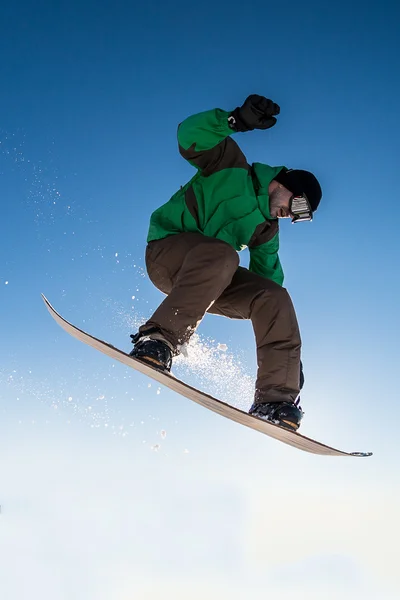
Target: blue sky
(134, 479)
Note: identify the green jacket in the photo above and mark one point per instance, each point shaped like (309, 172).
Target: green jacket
(227, 198)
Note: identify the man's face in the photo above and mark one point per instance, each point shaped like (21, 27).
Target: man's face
(279, 200)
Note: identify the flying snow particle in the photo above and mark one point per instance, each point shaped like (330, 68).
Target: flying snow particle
(163, 434)
(156, 447)
(159, 391)
(222, 347)
(6, 283)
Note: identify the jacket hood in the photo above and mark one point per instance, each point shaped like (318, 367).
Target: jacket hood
(262, 176)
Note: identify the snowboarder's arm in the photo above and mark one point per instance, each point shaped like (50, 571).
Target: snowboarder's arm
(204, 141)
(264, 260)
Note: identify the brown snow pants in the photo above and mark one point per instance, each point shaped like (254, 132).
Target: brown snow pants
(201, 274)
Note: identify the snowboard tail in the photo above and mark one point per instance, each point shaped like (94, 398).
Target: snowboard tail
(292, 438)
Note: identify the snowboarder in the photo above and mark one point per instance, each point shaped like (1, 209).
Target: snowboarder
(192, 253)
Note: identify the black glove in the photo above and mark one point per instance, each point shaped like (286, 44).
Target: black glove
(256, 113)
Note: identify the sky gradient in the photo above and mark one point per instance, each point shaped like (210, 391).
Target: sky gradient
(110, 486)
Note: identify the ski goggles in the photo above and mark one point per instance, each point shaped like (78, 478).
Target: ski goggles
(300, 209)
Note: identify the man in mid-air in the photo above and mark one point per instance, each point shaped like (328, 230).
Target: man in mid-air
(193, 245)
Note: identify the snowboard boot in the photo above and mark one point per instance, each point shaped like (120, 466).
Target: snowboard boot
(286, 414)
(154, 351)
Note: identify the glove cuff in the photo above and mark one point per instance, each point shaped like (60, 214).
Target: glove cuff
(236, 122)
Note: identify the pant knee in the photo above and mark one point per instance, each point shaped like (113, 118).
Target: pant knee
(282, 295)
(228, 256)
(275, 298)
(225, 261)
(217, 256)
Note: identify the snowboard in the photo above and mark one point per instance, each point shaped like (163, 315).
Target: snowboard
(292, 438)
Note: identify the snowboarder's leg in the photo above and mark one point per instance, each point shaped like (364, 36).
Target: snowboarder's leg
(268, 305)
(193, 270)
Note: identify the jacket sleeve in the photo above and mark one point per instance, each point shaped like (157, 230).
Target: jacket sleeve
(204, 140)
(264, 260)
